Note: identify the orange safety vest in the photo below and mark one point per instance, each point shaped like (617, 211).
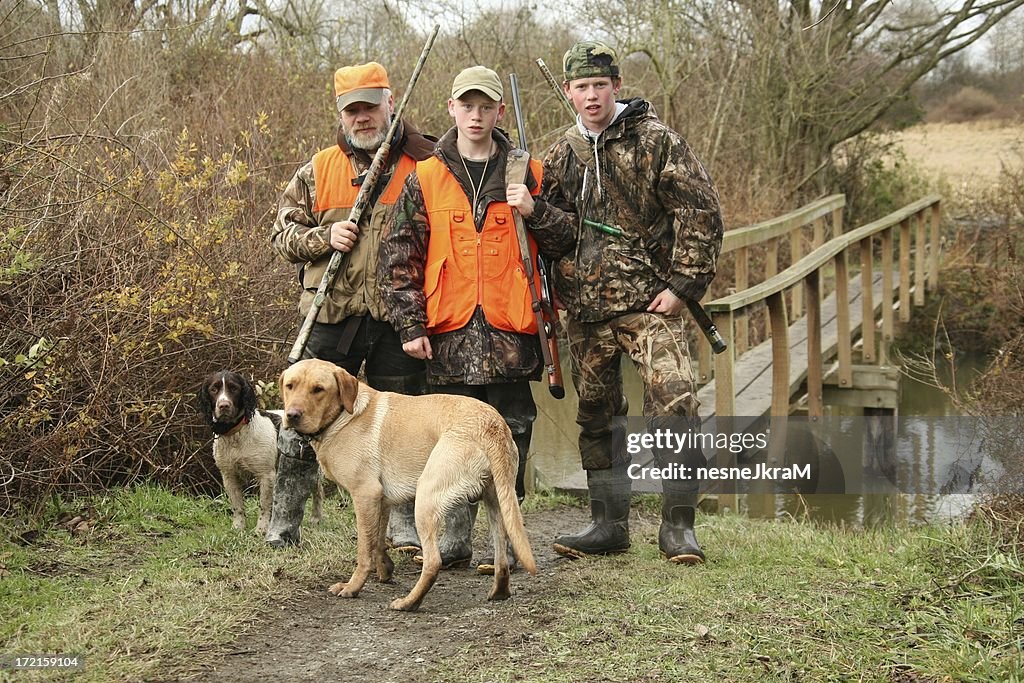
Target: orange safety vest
(334, 174)
(466, 268)
(355, 288)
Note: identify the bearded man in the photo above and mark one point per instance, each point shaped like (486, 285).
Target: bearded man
(351, 329)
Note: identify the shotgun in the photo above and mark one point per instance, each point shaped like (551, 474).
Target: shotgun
(703, 320)
(366, 190)
(540, 301)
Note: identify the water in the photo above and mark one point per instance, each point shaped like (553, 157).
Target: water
(925, 453)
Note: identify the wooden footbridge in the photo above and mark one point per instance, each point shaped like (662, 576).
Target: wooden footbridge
(795, 335)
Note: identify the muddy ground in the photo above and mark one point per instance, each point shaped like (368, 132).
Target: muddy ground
(312, 635)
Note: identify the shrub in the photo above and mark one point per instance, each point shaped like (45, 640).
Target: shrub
(152, 278)
(968, 104)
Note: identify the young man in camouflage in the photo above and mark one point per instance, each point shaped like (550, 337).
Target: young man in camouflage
(351, 329)
(452, 277)
(649, 235)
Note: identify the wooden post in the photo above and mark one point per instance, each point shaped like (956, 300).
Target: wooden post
(742, 282)
(867, 281)
(812, 285)
(771, 263)
(780, 354)
(933, 249)
(887, 285)
(837, 222)
(725, 401)
(704, 367)
(796, 252)
(887, 293)
(919, 253)
(845, 338)
(905, 270)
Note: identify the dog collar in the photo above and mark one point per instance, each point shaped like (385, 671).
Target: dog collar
(221, 429)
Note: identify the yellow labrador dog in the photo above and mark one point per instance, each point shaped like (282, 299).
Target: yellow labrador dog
(387, 449)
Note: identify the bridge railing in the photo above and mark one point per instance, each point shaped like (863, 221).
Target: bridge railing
(805, 275)
(743, 244)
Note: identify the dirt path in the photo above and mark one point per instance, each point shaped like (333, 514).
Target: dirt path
(316, 636)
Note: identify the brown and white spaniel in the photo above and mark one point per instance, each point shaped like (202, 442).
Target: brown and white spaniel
(245, 441)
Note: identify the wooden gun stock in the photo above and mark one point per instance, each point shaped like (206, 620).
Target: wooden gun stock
(555, 383)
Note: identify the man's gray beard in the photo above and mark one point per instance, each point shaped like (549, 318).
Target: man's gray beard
(369, 144)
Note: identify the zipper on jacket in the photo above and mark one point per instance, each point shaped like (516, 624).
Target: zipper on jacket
(479, 269)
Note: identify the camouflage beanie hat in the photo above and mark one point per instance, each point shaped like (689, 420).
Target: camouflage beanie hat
(589, 59)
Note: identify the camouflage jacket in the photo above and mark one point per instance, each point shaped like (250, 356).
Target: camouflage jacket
(641, 178)
(477, 353)
(302, 235)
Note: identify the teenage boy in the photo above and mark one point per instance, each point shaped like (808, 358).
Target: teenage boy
(452, 278)
(623, 288)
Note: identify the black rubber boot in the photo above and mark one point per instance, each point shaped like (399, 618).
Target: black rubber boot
(297, 475)
(676, 538)
(609, 508)
(402, 528)
(456, 544)
(523, 447)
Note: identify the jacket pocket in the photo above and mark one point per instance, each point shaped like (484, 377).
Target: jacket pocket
(520, 308)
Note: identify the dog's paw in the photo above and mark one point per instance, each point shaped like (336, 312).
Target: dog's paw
(499, 594)
(341, 590)
(404, 605)
(385, 569)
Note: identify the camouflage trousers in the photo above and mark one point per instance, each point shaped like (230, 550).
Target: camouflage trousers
(656, 344)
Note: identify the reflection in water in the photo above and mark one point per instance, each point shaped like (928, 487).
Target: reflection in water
(926, 457)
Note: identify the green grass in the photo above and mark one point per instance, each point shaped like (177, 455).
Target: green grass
(780, 601)
(159, 577)
(155, 576)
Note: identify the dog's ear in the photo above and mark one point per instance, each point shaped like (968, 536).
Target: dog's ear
(348, 388)
(280, 385)
(203, 403)
(249, 400)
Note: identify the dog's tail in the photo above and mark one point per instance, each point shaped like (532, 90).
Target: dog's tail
(503, 457)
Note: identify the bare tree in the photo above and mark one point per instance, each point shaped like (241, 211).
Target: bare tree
(795, 77)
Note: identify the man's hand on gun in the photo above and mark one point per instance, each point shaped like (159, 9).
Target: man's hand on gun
(666, 302)
(344, 235)
(520, 199)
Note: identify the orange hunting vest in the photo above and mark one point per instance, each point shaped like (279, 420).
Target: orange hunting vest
(355, 287)
(334, 174)
(466, 269)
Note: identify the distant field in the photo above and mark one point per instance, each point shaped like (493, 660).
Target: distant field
(964, 153)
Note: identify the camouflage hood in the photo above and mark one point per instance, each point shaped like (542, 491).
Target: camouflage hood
(649, 216)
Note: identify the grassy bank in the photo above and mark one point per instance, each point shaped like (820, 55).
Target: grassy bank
(784, 601)
(148, 583)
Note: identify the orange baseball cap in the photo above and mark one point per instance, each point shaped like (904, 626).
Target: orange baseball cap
(360, 83)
